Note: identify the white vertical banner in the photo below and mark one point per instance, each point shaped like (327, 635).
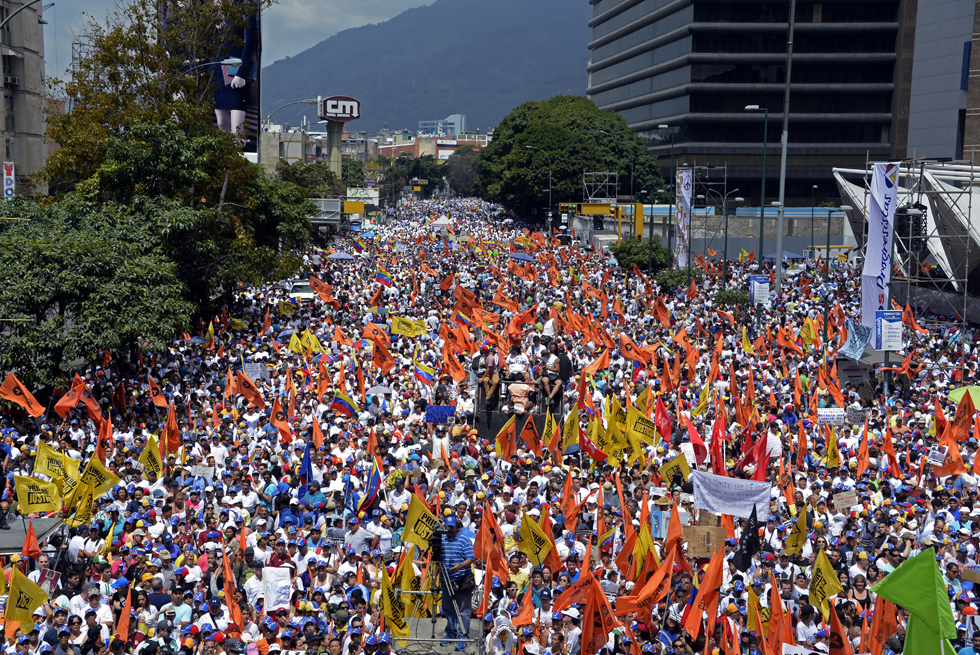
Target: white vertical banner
(878, 252)
(9, 182)
(682, 238)
(278, 588)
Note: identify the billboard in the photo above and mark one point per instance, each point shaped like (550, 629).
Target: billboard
(683, 199)
(9, 182)
(237, 92)
(338, 108)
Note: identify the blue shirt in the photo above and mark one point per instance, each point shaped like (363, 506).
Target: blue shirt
(456, 551)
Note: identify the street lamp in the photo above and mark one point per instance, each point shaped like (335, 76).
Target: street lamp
(549, 175)
(737, 200)
(826, 295)
(632, 161)
(762, 200)
(671, 184)
(231, 61)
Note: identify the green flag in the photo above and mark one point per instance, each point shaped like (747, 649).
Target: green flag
(917, 585)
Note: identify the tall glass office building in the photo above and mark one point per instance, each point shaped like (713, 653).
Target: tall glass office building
(696, 65)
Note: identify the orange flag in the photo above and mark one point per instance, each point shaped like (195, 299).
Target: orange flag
(248, 389)
(864, 457)
(963, 419)
(529, 433)
(281, 421)
(31, 548)
(601, 363)
(122, 628)
(234, 611)
(630, 350)
(651, 593)
(15, 392)
(840, 643)
(381, 358)
(708, 593)
(883, 625)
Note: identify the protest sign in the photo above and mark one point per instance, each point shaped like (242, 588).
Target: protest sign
(277, 588)
(256, 371)
(733, 496)
(201, 471)
(856, 416)
(47, 580)
(704, 540)
(830, 416)
(845, 500)
(658, 524)
(679, 463)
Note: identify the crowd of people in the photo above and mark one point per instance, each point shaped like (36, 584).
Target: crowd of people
(439, 373)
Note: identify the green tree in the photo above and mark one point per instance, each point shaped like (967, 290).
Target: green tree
(88, 277)
(316, 178)
(404, 170)
(569, 130)
(137, 69)
(630, 251)
(461, 172)
(353, 173)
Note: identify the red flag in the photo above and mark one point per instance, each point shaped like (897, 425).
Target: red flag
(700, 450)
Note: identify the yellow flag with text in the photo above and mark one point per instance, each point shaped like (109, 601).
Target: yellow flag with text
(150, 458)
(391, 609)
(570, 430)
(24, 598)
(419, 524)
(833, 454)
(824, 583)
(101, 478)
(797, 536)
(35, 495)
(746, 344)
(83, 506)
(534, 542)
(69, 484)
(49, 461)
(295, 344)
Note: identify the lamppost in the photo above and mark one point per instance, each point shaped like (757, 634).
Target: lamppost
(762, 200)
(232, 61)
(549, 175)
(632, 160)
(826, 295)
(813, 200)
(670, 199)
(724, 204)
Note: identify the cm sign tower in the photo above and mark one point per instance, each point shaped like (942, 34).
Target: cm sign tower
(335, 111)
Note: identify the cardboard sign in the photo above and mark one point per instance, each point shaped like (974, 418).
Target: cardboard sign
(703, 541)
(845, 500)
(439, 413)
(709, 519)
(971, 573)
(830, 416)
(679, 463)
(201, 471)
(937, 456)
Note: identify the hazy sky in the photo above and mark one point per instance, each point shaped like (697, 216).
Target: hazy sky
(289, 27)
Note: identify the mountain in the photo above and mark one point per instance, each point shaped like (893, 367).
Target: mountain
(477, 57)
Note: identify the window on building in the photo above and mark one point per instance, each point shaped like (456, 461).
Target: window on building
(8, 112)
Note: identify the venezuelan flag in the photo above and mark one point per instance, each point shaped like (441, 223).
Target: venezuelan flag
(371, 488)
(344, 405)
(359, 245)
(463, 319)
(425, 374)
(383, 277)
(606, 540)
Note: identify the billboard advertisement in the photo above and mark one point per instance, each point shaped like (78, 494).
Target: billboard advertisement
(339, 109)
(9, 183)
(236, 96)
(878, 256)
(683, 194)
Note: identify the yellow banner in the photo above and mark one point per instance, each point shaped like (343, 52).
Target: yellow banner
(549, 428)
(797, 536)
(150, 457)
(24, 598)
(570, 430)
(309, 340)
(534, 542)
(419, 524)
(35, 495)
(833, 456)
(746, 344)
(71, 481)
(640, 427)
(823, 584)
(286, 308)
(407, 327)
(83, 506)
(101, 478)
(679, 463)
(391, 609)
(49, 462)
(238, 324)
(295, 344)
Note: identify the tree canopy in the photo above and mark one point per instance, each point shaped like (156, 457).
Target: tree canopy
(569, 131)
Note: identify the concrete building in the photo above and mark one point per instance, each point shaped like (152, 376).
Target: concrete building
(440, 148)
(695, 66)
(450, 126)
(940, 78)
(22, 55)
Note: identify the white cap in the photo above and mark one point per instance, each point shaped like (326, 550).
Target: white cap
(572, 613)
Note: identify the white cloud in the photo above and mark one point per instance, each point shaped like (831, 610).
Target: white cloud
(289, 27)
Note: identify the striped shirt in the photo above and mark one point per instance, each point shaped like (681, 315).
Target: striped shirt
(456, 551)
